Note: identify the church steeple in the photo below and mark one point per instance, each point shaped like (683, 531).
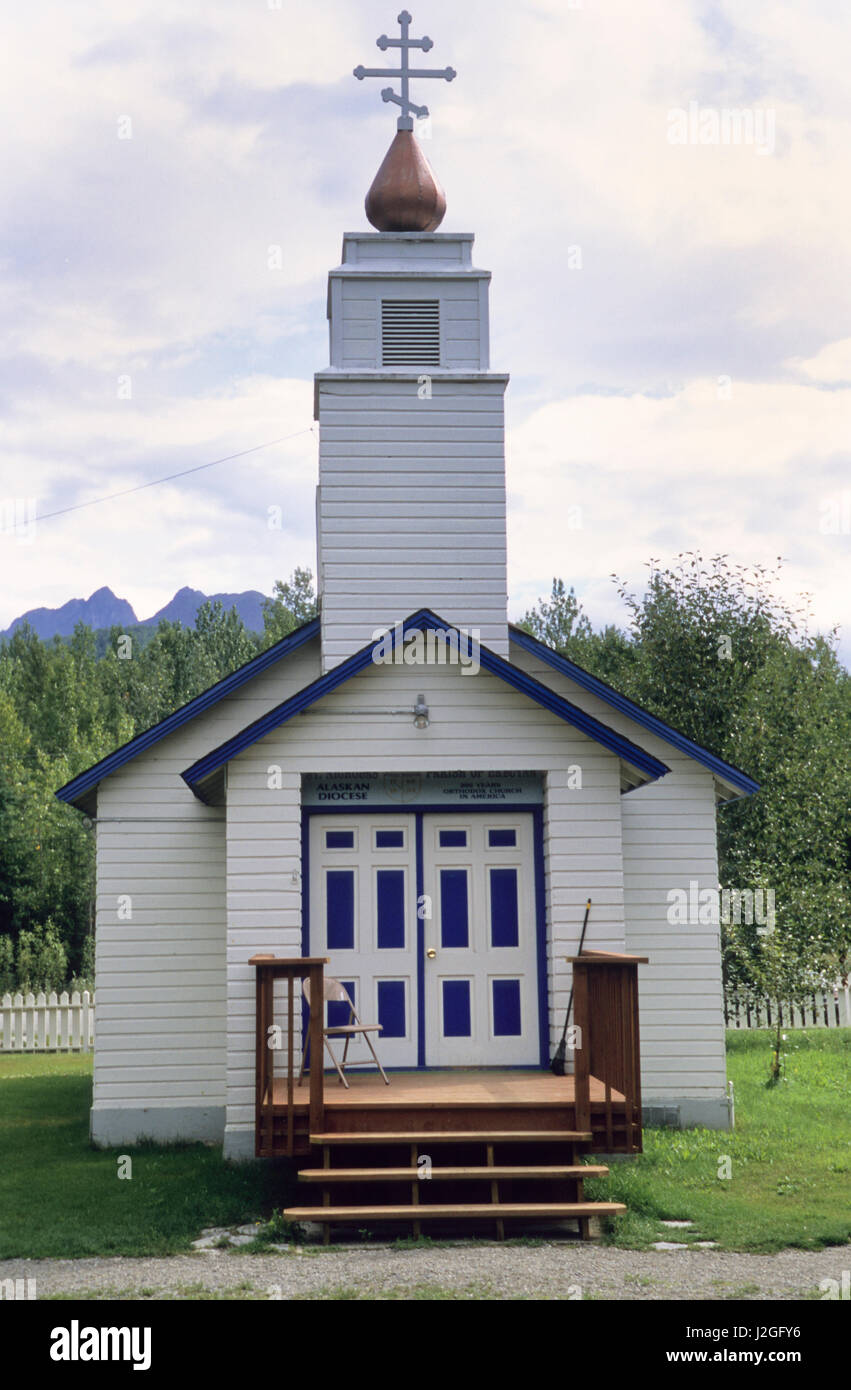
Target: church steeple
(411, 498)
(405, 195)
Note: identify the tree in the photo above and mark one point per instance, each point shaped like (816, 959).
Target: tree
(42, 961)
(701, 631)
(64, 705)
(7, 965)
(793, 732)
(292, 604)
(560, 622)
(715, 651)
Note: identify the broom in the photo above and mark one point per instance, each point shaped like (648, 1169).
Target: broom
(557, 1065)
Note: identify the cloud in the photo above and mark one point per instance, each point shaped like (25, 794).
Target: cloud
(601, 484)
(148, 257)
(830, 366)
(239, 525)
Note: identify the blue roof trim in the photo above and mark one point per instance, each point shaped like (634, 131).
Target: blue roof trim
(731, 774)
(489, 661)
(90, 778)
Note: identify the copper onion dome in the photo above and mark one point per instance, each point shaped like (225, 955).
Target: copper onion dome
(405, 195)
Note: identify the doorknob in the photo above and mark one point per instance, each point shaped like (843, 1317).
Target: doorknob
(431, 953)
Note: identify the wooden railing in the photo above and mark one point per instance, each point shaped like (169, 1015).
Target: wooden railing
(605, 1009)
(272, 1045)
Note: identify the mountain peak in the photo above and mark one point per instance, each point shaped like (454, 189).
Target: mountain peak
(183, 608)
(103, 609)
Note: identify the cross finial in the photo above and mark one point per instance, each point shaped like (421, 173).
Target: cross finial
(404, 72)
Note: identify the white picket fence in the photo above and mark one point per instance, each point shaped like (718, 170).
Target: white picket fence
(47, 1022)
(829, 1008)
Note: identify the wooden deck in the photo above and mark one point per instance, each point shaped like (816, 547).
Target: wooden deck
(602, 1098)
(458, 1086)
(460, 1100)
(497, 1144)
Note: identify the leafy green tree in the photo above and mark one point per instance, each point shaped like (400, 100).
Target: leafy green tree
(7, 965)
(292, 604)
(42, 961)
(222, 643)
(560, 622)
(793, 732)
(14, 744)
(715, 651)
(64, 705)
(701, 631)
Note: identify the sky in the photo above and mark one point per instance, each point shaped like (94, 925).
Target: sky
(660, 189)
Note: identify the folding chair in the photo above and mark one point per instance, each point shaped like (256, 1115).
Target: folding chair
(336, 993)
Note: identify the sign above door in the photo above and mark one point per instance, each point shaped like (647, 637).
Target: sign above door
(421, 789)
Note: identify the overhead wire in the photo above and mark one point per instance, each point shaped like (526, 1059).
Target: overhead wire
(170, 477)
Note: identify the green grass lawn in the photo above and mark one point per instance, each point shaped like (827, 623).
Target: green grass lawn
(790, 1161)
(61, 1197)
(790, 1156)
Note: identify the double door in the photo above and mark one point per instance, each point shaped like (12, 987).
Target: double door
(433, 933)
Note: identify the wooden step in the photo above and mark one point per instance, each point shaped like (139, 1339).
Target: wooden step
(500, 1171)
(475, 1136)
(480, 1211)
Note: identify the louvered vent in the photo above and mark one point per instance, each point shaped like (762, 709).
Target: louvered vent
(410, 332)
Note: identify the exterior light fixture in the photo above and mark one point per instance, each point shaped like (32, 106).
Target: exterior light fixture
(421, 713)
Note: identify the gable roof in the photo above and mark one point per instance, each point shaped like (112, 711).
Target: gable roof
(78, 786)
(422, 620)
(745, 785)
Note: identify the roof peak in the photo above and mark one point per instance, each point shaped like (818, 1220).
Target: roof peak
(645, 764)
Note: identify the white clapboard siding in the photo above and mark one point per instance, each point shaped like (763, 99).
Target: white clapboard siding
(680, 990)
(573, 875)
(47, 1022)
(360, 338)
(436, 269)
(669, 840)
(276, 927)
(451, 284)
(373, 569)
(162, 975)
(411, 497)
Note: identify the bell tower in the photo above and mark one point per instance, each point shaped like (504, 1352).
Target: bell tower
(411, 496)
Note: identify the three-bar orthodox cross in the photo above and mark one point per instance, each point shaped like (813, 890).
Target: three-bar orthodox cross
(404, 72)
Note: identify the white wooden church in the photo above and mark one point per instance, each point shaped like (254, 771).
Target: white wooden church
(408, 787)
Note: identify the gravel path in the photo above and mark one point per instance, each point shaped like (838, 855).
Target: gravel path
(551, 1271)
